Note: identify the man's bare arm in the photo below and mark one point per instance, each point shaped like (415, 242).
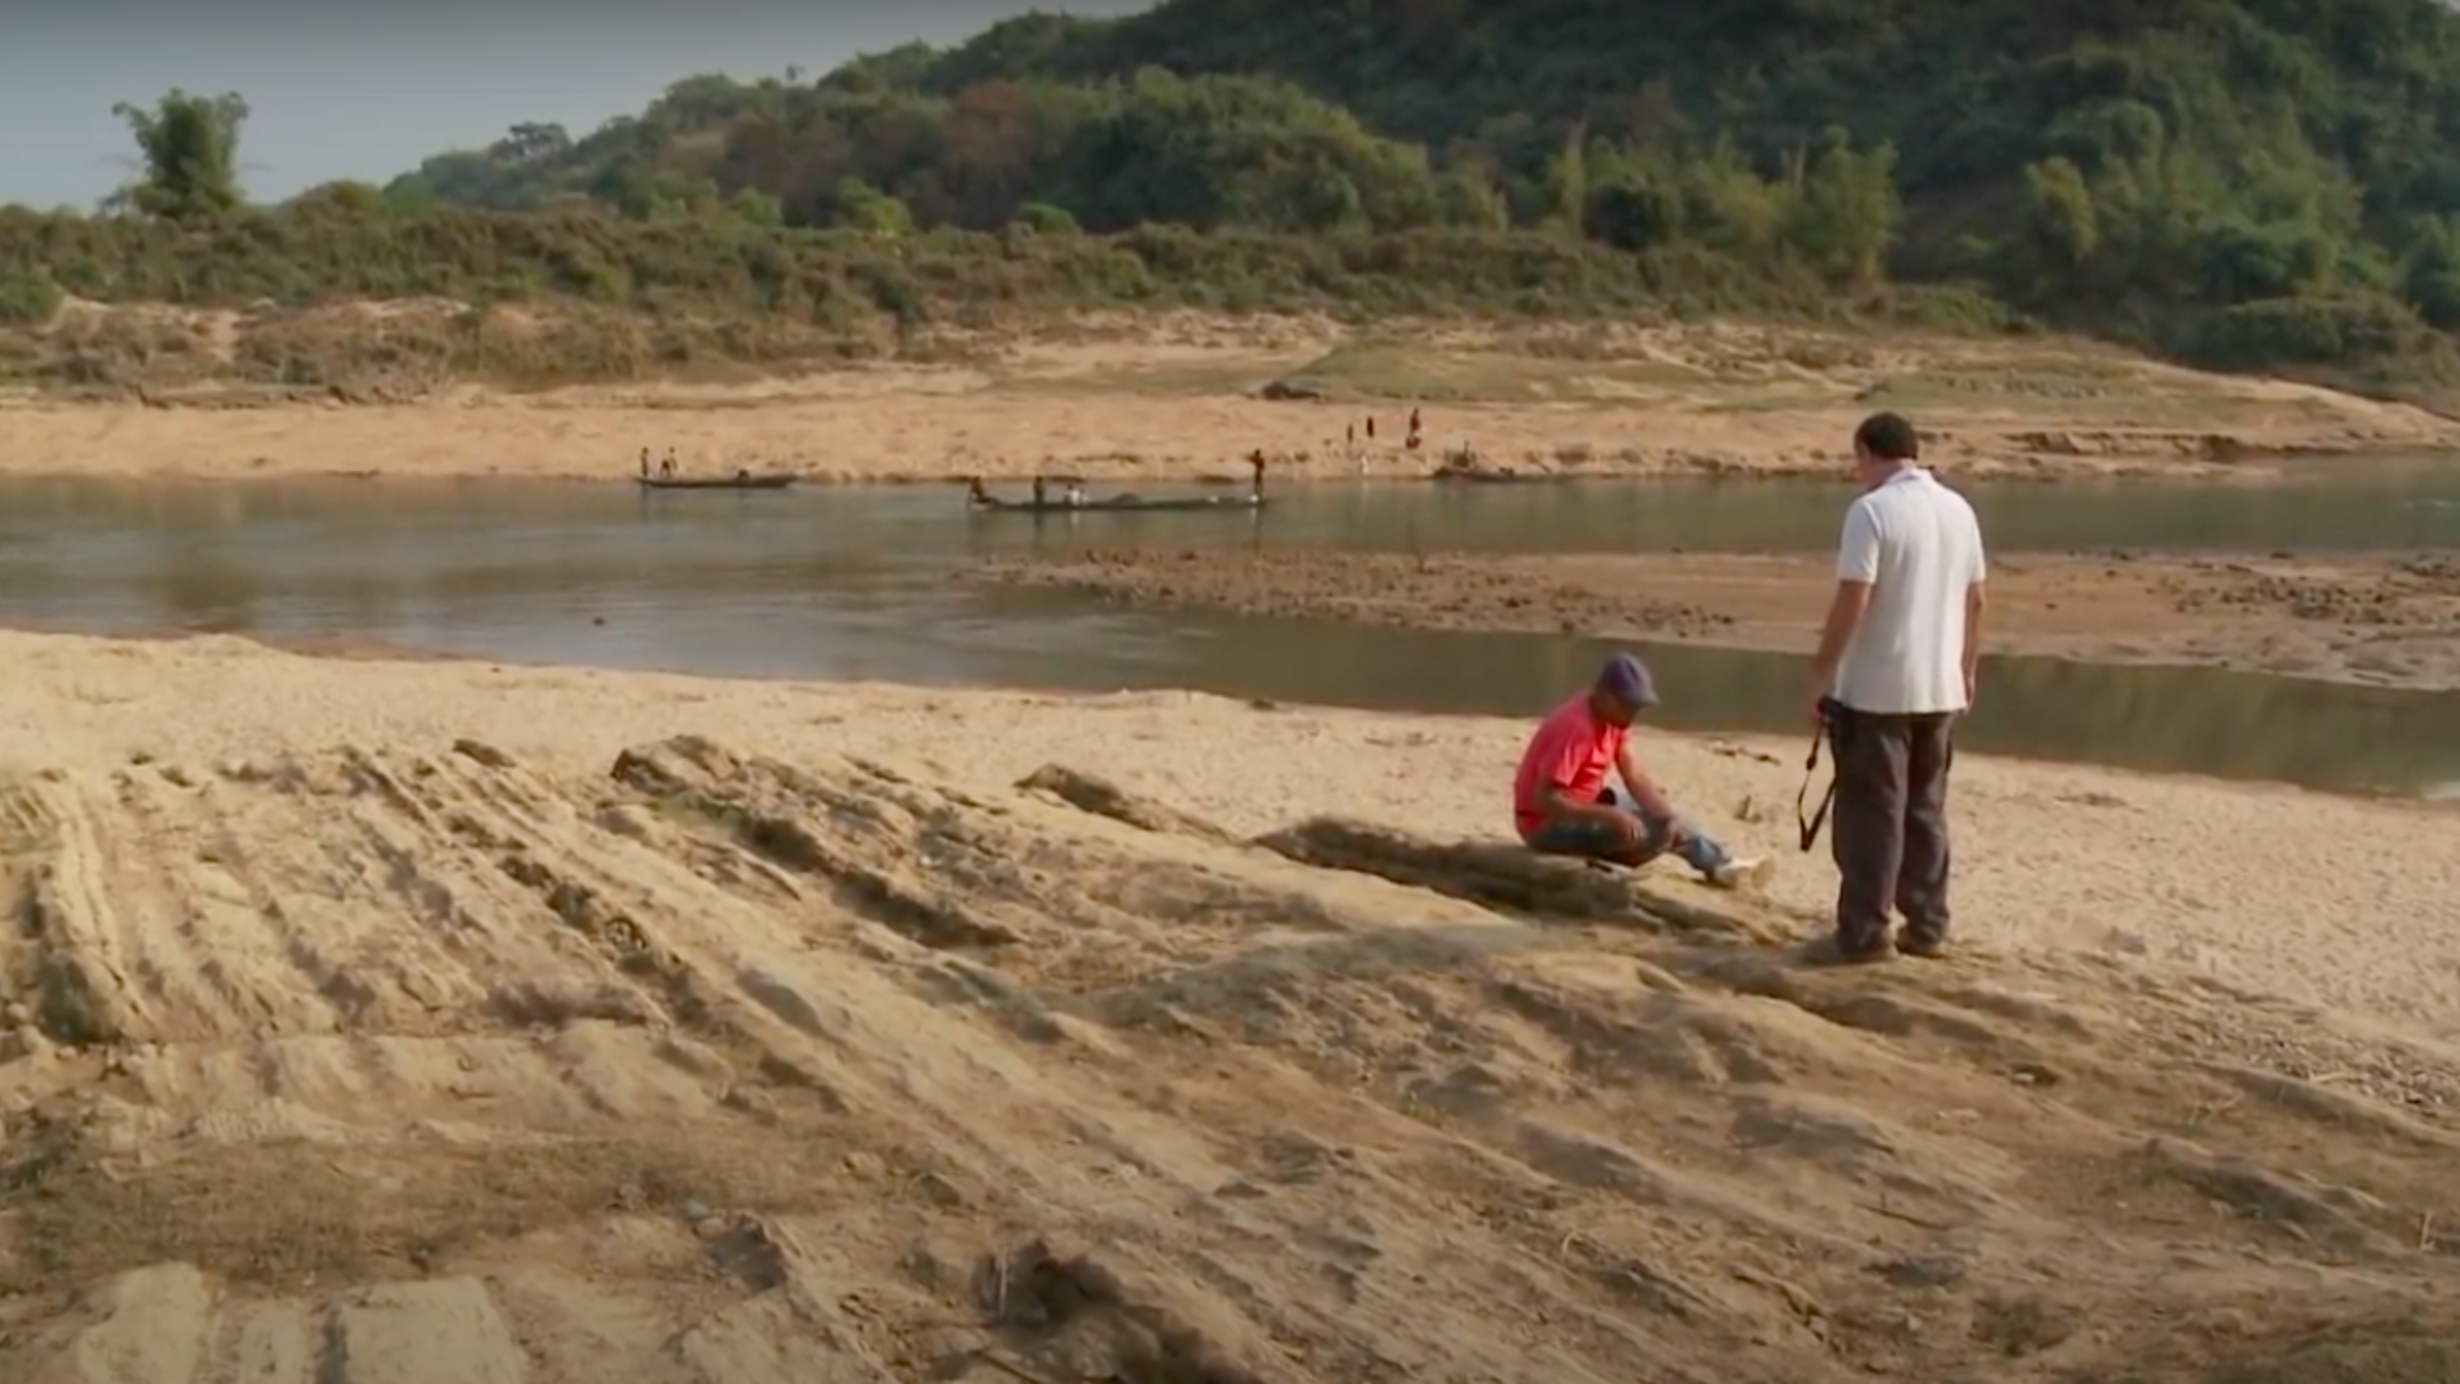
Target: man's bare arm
(1644, 790)
(1975, 602)
(1845, 612)
(1560, 806)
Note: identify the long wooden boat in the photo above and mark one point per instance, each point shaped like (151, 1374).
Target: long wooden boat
(1131, 504)
(773, 481)
(1457, 476)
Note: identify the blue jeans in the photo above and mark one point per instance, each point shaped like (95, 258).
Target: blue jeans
(1597, 841)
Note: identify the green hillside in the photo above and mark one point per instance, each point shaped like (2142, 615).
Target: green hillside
(2243, 183)
(2239, 179)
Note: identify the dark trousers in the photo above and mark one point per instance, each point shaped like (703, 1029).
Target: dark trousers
(1889, 826)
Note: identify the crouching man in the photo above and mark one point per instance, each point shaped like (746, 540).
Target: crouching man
(1562, 806)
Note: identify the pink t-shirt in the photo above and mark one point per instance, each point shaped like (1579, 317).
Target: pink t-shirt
(1573, 752)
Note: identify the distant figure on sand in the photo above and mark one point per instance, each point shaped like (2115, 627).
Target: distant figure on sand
(1416, 434)
(1561, 805)
(1894, 670)
(667, 468)
(1041, 490)
(1255, 465)
(644, 463)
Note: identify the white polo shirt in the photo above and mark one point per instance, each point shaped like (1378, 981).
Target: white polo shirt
(1918, 545)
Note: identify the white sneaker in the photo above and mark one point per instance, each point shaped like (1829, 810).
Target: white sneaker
(1751, 875)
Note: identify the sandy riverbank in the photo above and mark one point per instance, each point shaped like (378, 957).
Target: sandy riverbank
(1179, 399)
(411, 1022)
(2385, 620)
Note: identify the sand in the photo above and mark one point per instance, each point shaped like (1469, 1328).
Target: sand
(2379, 619)
(1179, 399)
(435, 1022)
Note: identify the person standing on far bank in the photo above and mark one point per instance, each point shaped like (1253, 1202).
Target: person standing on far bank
(1894, 670)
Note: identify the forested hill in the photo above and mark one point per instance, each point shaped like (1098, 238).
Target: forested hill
(2257, 178)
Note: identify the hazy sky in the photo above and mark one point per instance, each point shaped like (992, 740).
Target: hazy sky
(365, 89)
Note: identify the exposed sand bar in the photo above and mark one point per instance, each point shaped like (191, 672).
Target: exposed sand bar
(1179, 400)
(370, 1022)
(2389, 620)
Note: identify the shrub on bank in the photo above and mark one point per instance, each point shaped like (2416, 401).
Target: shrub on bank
(325, 250)
(27, 298)
(2307, 331)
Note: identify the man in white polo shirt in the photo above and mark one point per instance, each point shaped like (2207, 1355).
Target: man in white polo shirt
(1894, 670)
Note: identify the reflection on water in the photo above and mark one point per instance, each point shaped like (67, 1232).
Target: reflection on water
(2341, 505)
(857, 584)
(2173, 720)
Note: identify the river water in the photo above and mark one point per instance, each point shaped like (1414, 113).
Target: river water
(865, 583)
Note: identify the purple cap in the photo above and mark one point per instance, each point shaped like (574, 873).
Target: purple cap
(1627, 680)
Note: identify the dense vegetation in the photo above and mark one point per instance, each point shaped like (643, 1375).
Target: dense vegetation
(2238, 179)
(2244, 182)
(634, 298)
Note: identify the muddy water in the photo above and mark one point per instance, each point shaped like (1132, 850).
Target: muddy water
(861, 584)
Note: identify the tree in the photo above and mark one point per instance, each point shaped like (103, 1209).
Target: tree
(27, 298)
(528, 141)
(1844, 210)
(190, 145)
(1634, 213)
(2065, 225)
(2430, 271)
(757, 207)
(1044, 219)
(1567, 182)
(862, 207)
(345, 195)
(1469, 198)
